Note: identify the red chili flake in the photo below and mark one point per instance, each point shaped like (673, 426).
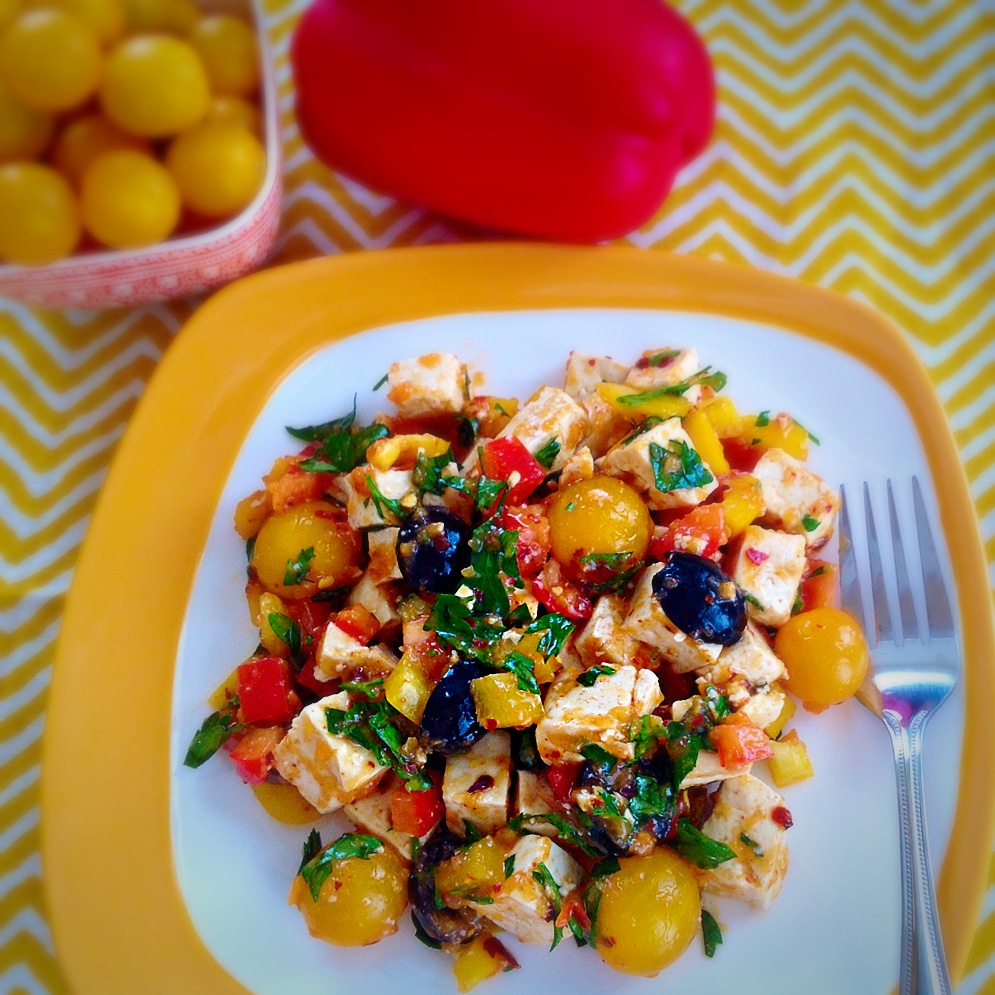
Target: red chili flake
(782, 817)
(757, 556)
(483, 783)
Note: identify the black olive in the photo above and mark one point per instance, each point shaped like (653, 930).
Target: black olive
(443, 925)
(433, 547)
(449, 723)
(700, 599)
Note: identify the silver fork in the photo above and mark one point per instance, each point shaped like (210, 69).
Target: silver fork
(914, 668)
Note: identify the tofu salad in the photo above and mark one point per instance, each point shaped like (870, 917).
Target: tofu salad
(542, 655)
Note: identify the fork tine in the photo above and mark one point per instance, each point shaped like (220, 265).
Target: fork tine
(938, 611)
(850, 593)
(879, 589)
(906, 600)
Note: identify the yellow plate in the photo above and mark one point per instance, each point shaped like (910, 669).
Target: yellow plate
(122, 911)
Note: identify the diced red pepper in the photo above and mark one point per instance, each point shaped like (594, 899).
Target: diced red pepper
(740, 455)
(416, 812)
(358, 622)
(819, 586)
(701, 531)
(265, 690)
(559, 594)
(740, 744)
(532, 526)
(562, 778)
(310, 616)
(252, 752)
(508, 459)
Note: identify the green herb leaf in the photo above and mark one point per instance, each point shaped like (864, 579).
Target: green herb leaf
(311, 848)
(809, 523)
(288, 632)
(351, 845)
(212, 735)
(677, 466)
(755, 848)
(522, 667)
(763, 419)
(588, 678)
(340, 449)
(548, 453)
(296, 571)
(703, 377)
(556, 629)
(380, 383)
(509, 865)
(603, 868)
(547, 882)
(597, 754)
(427, 474)
(385, 505)
(701, 850)
(563, 827)
(711, 935)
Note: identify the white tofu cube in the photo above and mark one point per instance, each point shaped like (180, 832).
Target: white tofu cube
(605, 713)
(603, 640)
(524, 906)
(797, 500)
(768, 568)
(761, 708)
(371, 814)
(751, 658)
(379, 599)
(476, 786)
(382, 546)
(434, 384)
(662, 368)
(649, 623)
(343, 655)
(605, 426)
(580, 466)
(534, 796)
(708, 769)
(584, 372)
(366, 512)
(550, 416)
(652, 458)
(746, 807)
(327, 770)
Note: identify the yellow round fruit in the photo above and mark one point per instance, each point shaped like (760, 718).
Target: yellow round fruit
(359, 903)
(650, 911)
(826, 656)
(128, 200)
(24, 131)
(236, 110)
(50, 59)
(230, 52)
(86, 138)
(40, 219)
(105, 17)
(175, 16)
(217, 167)
(154, 85)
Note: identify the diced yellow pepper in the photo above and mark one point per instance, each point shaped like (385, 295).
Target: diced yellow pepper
(477, 961)
(788, 709)
(270, 604)
(790, 762)
(407, 688)
(477, 871)
(492, 413)
(742, 503)
(545, 668)
(385, 453)
(722, 413)
(223, 692)
(662, 406)
(779, 432)
(502, 704)
(706, 441)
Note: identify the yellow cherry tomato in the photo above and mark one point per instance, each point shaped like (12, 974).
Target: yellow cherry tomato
(105, 17)
(154, 85)
(40, 220)
(176, 16)
(50, 59)
(650, 911)
(217, 167)
(24, 131)
(230, 51)
(360, 902)
(599, 525)
(82, 140)
(826, 656)
(236, 110)
(128, 200)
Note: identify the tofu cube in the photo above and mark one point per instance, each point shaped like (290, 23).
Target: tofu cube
(751, 658)
(524, 906)
(604, 713)
(476, 786)
(797, 500)
(746, 807)
(662, 368)
(379, 599)
(365, 512)
(633, 458)
(382, 545)
(649, 623)
(343, 655)
(708, 769)
(584, 372)
(371, 814)
(534, 796)
(327, 770)
(603, 639)
(761, 708)
(768, 568)
(550, 415)
(434, 384)
(606, 427)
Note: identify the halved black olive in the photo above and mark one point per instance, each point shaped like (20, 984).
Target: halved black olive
(700, 599)
(433, 547)
(449, 723)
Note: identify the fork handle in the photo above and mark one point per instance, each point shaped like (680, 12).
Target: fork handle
(923, 968)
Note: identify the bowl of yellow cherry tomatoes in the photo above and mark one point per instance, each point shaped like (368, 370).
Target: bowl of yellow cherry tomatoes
(139, 149)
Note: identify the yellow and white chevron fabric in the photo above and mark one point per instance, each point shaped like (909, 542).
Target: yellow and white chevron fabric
(854, 149)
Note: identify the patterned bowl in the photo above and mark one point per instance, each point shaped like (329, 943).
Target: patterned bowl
(182, 265)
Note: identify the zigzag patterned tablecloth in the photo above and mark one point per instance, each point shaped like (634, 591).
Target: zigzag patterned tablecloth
(854, 149)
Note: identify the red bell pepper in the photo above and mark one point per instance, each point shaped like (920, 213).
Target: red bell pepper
(252, 752)
(265, 690)
(701, 531)
(507, 459)
(739, 744)
(561, 119)
(416, 812)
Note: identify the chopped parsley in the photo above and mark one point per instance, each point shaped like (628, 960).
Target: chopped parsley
(677, 466)
(340, 448)
(701, 850)
(317, 868)
(809, 523)
(213, 734)
(711, 935)
(588, 678)
(289, 633)
(296, 572)
(548, 453)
